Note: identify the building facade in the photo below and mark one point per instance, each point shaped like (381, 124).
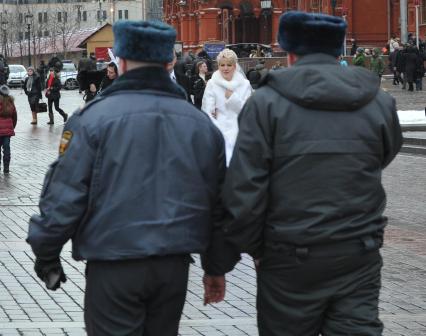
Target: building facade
(37, 20)
(256, 21)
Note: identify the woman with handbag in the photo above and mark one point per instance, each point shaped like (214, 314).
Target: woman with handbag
(32, 88)
(53, 95)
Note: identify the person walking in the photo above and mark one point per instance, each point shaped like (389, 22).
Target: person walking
(376, 64)
(224, 96)
(32, 88)
(42, 72)
(411, 65)
(199, 82)
(8, 120)
(303, 194)
(53, 95)
(135, 186)
(359, 58)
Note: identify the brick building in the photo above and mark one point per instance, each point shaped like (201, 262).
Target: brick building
(235, 21)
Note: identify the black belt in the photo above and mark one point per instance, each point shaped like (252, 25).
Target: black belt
(332, 249)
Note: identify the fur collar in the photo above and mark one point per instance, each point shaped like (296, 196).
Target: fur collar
(145, 78)
(232, 85)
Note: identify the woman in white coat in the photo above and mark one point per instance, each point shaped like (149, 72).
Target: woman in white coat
(224, 96)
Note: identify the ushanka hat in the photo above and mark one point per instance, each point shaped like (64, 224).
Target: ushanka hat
(307, 33)
(144, 41)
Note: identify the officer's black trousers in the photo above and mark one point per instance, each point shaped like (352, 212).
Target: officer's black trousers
(308, 296)
(135, 297)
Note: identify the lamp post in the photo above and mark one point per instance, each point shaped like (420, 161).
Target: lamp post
(28, 21)
(3, 28)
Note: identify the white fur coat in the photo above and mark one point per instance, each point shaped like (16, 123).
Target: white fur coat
(227, 110)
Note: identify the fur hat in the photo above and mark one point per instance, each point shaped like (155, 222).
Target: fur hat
(307, 33)
(4, 90)
(144, 41)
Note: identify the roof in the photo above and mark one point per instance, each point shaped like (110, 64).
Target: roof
(84, 42)
(49, 45)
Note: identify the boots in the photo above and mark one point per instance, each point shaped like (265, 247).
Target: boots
(34, 122)
(50, 119)
(6, 161)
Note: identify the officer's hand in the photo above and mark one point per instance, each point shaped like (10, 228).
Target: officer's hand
(214, 288)
(50, 272)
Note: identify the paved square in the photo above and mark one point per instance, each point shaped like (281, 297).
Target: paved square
(27, 308)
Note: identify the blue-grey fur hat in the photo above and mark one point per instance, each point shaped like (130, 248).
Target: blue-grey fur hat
(306, 33)
(144, 41)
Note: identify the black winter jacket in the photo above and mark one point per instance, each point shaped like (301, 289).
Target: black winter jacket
(307, 164)
(140, 175)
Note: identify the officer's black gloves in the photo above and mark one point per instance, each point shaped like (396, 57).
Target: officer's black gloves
(50, 272)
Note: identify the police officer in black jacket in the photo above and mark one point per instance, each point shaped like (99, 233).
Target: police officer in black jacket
(303, 192)
(135, 187)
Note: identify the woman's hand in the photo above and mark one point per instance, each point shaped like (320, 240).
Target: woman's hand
(228, 93)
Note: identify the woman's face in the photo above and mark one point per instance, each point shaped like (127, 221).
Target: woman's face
(30, 72)
(111, 73)
(227, 69)
(202, 68)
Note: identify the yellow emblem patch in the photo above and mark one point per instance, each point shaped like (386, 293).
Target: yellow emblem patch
(65, 140)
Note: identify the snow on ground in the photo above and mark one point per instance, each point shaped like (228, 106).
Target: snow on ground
(412, 117)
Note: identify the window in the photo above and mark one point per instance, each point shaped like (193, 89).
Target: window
(120, 14)
(59, 16)
(39, 34)
(40, 17)
(126, 14)
(27, 35)
(65, 16)
(20, 35)
(104, 15)
(21, 18)
(84, 16)
(78, 16)
(46, 33)
(45, 17)
(98, 15)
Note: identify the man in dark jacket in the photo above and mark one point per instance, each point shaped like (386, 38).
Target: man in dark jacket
(303, 192)
(135, 187)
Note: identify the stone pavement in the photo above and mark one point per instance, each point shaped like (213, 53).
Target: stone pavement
(27, 308)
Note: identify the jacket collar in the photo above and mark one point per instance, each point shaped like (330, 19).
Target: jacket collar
(317, 58)
(145, 78)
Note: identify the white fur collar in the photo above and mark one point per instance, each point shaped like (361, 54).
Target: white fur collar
(231, 85)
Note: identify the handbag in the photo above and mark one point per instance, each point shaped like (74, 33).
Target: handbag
(42, 107)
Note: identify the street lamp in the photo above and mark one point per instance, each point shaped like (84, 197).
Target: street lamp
(28, 21)
(3, 28)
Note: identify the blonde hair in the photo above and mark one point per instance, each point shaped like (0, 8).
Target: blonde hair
(228, 55)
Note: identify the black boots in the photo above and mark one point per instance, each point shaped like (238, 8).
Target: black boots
(6, 168)
(50, 122)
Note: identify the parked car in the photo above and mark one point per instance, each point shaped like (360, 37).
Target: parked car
(69, 76)
(17, 75)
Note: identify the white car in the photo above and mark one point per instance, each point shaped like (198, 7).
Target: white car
(69, 76)
(17, 75)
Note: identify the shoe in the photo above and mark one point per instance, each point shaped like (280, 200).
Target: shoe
(65, 117)
(34, 122)
(50, 122)
(6, 171)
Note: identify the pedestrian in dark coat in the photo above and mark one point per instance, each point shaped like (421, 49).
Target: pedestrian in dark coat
(53, 95)
(401, 65)
(420, 71)
(392, 63)
(136, 187)
(42, 71)
(8, 120)
(199, 82)
(411, 67)
(303, 193)
(32, 88)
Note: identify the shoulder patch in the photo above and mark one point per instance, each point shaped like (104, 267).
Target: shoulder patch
(65, 140)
